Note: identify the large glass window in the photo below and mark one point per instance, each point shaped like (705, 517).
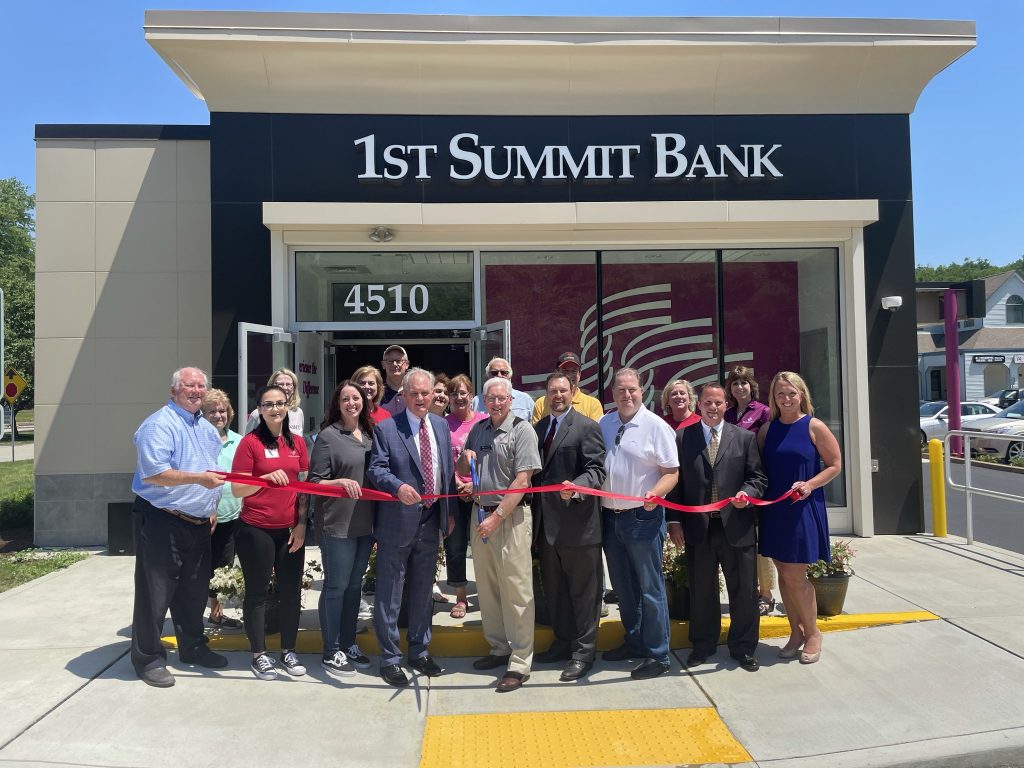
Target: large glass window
(403, 289)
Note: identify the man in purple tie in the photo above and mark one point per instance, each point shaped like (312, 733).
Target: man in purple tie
(411, 459)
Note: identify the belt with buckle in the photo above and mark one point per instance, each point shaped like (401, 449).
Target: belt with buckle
(187, 518)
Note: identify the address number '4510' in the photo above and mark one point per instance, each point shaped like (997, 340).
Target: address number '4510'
(376, 300)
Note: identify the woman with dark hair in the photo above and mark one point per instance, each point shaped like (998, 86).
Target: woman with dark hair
(746, 411)
(368, 379)
(460, 421)
(440, 400)
(271, 537)
(344, 527)
(218, 411)
(800, 454)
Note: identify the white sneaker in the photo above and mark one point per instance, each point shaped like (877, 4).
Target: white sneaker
(338, 665)
(263, 667)
(365, 610)
(292, 665)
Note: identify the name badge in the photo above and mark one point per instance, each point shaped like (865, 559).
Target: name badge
(270, 453)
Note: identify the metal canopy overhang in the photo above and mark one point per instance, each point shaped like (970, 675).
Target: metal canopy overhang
(406, 64)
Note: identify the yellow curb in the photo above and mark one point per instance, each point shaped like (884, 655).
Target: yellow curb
(468, 639)
(593, 738)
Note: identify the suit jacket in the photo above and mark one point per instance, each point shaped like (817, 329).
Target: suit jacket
(737, 468)
(577, 455)
(395, 461)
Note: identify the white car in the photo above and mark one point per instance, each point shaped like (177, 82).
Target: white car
(935, 423)
(1009, 422)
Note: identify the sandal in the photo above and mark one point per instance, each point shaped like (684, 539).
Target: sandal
(765, 605)
(458, 610)
(225, 621)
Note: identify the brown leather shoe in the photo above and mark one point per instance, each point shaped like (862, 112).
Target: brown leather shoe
(512, 681)
(491, 662)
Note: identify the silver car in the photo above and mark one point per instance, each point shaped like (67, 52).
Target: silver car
(935, 422)
(1009, 422)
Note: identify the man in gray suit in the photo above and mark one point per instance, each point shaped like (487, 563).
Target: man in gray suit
(411, 458)
(571, 451)
(718, 460)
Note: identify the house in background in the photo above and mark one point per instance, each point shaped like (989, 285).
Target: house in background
(991, 348)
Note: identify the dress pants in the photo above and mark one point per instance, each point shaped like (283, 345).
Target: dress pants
(504, 582)
(414, 563)
(739, 567)
(572, 582)
(172, 570)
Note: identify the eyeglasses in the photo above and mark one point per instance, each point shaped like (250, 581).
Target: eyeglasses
(618, 435)
(399, 361)
(499, 373)
(497, 399)
(277, 404)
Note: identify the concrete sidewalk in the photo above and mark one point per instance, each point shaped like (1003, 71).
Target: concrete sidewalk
(887, 695)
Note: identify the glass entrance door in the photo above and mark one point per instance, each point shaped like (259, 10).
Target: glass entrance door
(262, 349)
(490, 341)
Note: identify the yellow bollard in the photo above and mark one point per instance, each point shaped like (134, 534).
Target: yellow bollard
(936, 467)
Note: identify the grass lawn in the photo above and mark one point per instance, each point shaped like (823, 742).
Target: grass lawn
(16, 493)
(17, 568)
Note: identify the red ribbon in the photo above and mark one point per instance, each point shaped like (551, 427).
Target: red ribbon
(337, 492)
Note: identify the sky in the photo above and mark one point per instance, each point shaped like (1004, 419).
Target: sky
(76, 61)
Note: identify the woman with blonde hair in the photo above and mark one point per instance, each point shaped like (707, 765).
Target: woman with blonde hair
(285, 380)
(368, 379)
(745, 411)
(679, 404)
(800, 454)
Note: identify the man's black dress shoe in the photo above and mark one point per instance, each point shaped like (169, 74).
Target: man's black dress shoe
(618, 654)
(491, 662)
(649, 668)
(204, 657)
(695, 659)
(158, 677)
(747, 662)
(552, 655)
(575, 669)
(393, 675)
(426, 665)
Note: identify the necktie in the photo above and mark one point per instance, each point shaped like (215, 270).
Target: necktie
(712, 455)
(426, 461)
(549, 437)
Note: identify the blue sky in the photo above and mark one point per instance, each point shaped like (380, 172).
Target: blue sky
(74, 61)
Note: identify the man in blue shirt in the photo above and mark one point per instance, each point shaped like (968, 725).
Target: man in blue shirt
(522, 403)
(174, 514)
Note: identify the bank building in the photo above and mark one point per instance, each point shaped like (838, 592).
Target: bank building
(678, 195)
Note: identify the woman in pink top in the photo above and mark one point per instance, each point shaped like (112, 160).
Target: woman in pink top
(745, 411)
(460, 421)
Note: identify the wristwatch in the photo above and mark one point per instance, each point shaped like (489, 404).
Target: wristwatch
(501, 515)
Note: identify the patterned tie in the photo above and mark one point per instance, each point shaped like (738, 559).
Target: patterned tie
(549, 437)
(426, 461)
(712, 455)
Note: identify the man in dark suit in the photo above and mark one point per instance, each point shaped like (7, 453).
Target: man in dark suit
(572, 451)
(411, 458)
(716, 461)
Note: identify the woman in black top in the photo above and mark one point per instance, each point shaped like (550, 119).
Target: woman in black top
(344, 526)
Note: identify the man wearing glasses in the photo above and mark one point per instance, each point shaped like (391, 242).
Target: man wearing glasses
(394, 364)
(522, 403)
(500, 453)
(641, 461)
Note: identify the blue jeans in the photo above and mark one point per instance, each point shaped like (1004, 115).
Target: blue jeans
(633, 540)
(344, 565)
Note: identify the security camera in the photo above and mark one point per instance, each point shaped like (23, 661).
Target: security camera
(892, 303)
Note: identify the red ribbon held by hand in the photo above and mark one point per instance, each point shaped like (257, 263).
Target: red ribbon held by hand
(337, 492)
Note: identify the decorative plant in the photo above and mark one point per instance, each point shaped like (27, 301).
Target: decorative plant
(673, 564)
(229, 583)
(837, 565)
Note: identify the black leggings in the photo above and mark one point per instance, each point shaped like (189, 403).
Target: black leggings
(260, 552)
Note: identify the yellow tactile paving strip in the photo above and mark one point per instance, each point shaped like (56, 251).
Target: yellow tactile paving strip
(469, 641)
(573, 739)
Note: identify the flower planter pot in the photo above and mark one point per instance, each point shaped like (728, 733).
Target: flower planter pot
(678, 602)
(830, 592)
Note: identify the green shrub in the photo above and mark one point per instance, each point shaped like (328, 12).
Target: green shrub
(17, 495)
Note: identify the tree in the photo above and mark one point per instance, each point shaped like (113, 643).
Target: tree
(17, 278)
(970, 269)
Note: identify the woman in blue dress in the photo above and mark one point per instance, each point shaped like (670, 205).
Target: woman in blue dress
(801, 454)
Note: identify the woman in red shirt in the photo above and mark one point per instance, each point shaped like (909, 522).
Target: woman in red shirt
(272, 532)
(678, 403)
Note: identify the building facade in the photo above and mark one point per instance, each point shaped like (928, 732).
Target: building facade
(676, 195)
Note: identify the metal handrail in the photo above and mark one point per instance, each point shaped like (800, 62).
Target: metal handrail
(967, 488)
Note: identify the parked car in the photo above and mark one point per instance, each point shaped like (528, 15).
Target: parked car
(935, 422)
(1003, 398)
(1009, 422)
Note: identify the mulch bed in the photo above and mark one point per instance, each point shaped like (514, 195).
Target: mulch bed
(15, 540)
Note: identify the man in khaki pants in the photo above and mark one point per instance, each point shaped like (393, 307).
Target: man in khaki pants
(504, 451)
